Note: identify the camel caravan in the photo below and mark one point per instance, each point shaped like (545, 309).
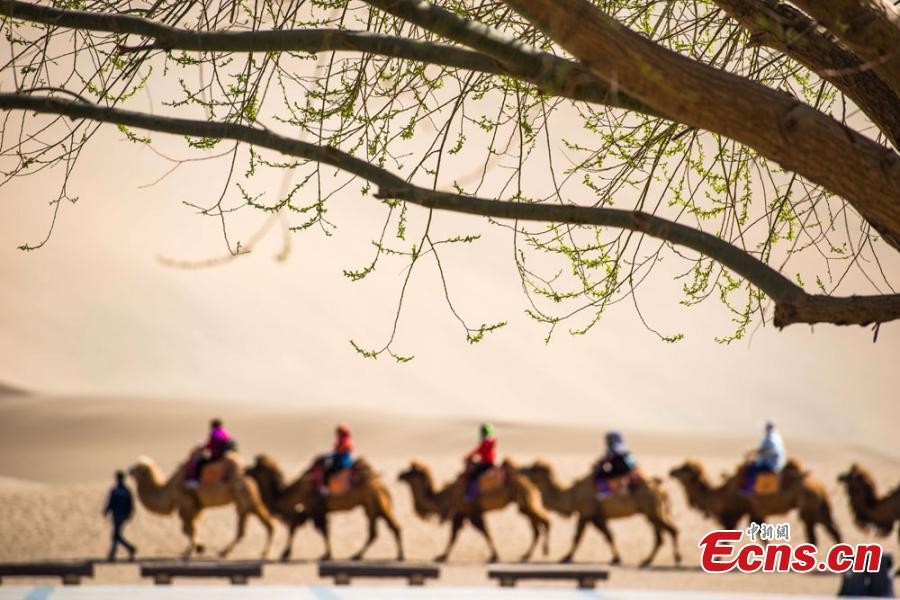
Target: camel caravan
(766, 483)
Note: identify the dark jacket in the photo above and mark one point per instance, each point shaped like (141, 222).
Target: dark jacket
(120, 504)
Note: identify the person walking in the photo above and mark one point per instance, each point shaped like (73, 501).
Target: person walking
(119, 508)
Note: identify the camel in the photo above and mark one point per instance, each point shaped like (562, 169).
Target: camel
(450, 503)
(716, 502)
(368, 491)
(727, 503)
(868, 509)
(164, 497)
(580, 498)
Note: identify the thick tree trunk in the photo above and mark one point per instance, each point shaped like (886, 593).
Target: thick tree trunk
(852, 310)
(870, 28)
(776, 25)
(773, 123)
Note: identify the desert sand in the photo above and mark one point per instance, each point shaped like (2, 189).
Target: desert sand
(57, 455)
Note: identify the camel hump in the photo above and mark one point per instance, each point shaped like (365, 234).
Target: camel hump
(793, 473)
(363, 470)
(266, 461)
(793, 466)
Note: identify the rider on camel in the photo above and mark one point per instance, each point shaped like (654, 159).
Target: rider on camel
(340, 458)
(770, 457)
(479, 460)
(617, 461)
(216, 446)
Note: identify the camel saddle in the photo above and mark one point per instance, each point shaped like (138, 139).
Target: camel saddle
(340, 482)
(491, 480)
(766, 483)
(625, 484)
(345, 479)
(219, 471)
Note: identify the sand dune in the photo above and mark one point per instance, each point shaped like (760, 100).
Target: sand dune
(57, 455)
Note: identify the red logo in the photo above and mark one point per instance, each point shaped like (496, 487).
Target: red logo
(720, 554)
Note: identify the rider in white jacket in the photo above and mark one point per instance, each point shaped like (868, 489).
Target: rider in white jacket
(771, 454)
(770, 457)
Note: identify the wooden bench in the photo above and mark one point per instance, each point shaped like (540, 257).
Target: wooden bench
(237, 572)
(509, 575)
(71, 572)
(343, 572)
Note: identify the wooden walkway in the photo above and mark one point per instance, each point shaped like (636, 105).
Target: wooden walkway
(273, 592)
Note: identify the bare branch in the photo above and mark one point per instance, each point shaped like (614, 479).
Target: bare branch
(553, 76)
(792, 303)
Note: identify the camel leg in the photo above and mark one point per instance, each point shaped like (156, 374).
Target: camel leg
(188, 526)
(455, 526)
(539, 523)
(320, 521)
(829, 523)
(239, 534)
(657, 542)
(286, 553)
(579, 532)
(535, 534)
(372, 532)
(478, 522)
(297, 520)
(395, 528)
(600, 523)
(670, 527)
(832, 529)
(266, 521)
(810, 527)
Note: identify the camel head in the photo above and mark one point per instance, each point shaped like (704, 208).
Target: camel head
(860, 485)
(153, 492)
(416, 473)
(421, 482)
(861, 489)
(144, 470)
(690, 471)
(856, 477)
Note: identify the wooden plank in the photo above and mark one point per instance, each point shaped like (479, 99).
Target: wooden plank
(237, 573)
(586, 577)
(343, 572)
(70, 572)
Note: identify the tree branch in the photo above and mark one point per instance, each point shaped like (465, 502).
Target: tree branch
(870, 28)
(553, 76)
(793, 305)
(775, 124)
(781, 27)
